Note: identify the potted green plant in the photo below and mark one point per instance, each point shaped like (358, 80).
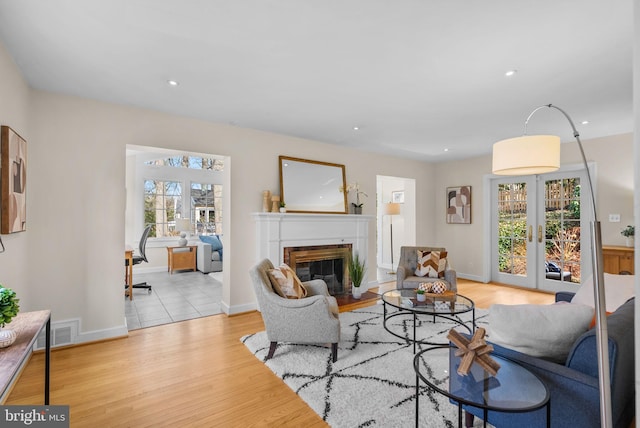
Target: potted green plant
(357, 269)
(420, 297)
(9, 308)
(283, 207)
(629, 233)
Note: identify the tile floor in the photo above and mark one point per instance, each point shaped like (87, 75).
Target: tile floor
(177, 297)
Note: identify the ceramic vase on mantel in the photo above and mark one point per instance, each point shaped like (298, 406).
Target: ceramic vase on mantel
(356, 292)
(630, 241)
(7, 337)
(357, 209)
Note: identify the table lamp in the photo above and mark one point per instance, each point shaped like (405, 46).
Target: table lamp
(537, 154)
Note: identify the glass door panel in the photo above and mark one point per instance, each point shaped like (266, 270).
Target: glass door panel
(562, 233)
(512, 255)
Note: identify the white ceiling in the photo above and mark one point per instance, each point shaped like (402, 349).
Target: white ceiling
(416, 76)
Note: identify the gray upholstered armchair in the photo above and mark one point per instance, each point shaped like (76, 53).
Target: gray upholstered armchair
(312, 319)
(405, 274)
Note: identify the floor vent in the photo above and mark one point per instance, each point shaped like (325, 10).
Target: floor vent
(62, 333)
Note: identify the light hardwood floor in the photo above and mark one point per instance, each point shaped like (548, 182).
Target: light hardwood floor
(194, 373)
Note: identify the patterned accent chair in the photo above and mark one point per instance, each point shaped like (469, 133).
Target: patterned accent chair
(405, 274)
(312, 319)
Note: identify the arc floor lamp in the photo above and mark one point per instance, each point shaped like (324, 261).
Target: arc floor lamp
(537, 154)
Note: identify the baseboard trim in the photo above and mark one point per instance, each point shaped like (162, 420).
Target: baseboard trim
(238, 309)
(99, 335)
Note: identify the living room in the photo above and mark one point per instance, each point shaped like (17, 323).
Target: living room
(69, 259)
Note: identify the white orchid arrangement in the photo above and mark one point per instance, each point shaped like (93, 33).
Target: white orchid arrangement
(356, 188)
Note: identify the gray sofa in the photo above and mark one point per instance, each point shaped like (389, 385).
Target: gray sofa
(208, 260)
(573, 386)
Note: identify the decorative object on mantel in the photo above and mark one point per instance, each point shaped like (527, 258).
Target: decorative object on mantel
(266, 199)
(629, 233)
(275, 203)
(357, 205)
(357, 269)
(472, 351)
(9, 308)
(283, 207)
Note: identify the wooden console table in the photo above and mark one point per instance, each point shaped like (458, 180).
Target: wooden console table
(617, 259)
(181, 258)
(27, 325)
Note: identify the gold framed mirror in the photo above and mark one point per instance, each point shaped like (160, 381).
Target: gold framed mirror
(308, 186)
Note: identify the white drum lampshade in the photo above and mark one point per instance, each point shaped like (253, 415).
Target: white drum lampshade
(526, 155)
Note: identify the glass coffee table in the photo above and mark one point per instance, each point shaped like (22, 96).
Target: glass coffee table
(514, 389)
(406, 303)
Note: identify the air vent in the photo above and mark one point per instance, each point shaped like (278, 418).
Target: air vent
(62, 333)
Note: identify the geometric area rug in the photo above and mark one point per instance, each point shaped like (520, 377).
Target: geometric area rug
(373, 382)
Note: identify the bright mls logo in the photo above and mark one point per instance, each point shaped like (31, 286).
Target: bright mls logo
(34, 416)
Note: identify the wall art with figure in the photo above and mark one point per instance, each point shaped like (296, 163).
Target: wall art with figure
(459, 205)
(13, 177)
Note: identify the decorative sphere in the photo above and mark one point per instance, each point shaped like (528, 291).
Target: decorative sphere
(426, 286)
(439, 287)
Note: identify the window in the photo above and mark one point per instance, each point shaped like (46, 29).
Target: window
(206, 208)
(182, 187)
(162, 205)
(192, 162)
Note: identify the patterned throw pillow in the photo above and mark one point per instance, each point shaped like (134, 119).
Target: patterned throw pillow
(431, 263)
(286, 283)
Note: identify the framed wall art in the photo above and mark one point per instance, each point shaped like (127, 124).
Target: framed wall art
(459, 205)
(397, 197)
(13, 177)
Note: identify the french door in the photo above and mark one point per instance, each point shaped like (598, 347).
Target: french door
(540, 230)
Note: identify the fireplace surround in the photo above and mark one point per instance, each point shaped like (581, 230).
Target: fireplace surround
(324, 239)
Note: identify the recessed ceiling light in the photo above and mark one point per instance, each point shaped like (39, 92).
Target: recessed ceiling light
(172, 83)
(510, 73)
(356, 128)
(585, 122)
(446, 150)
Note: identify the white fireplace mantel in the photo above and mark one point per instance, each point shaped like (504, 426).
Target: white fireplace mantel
(277, 231)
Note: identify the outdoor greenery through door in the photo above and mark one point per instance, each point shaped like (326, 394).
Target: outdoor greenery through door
(537, 231)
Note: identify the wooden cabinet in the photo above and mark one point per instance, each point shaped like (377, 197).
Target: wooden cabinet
(618, 260)
(181, 258)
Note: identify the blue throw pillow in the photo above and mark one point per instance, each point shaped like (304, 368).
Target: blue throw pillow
(213, 240)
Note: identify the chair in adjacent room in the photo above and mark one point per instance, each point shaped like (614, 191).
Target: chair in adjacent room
(142, 257)
(311, 319)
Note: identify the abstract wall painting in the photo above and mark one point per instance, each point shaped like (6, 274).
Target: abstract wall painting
(13, 177)
(459, 205)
